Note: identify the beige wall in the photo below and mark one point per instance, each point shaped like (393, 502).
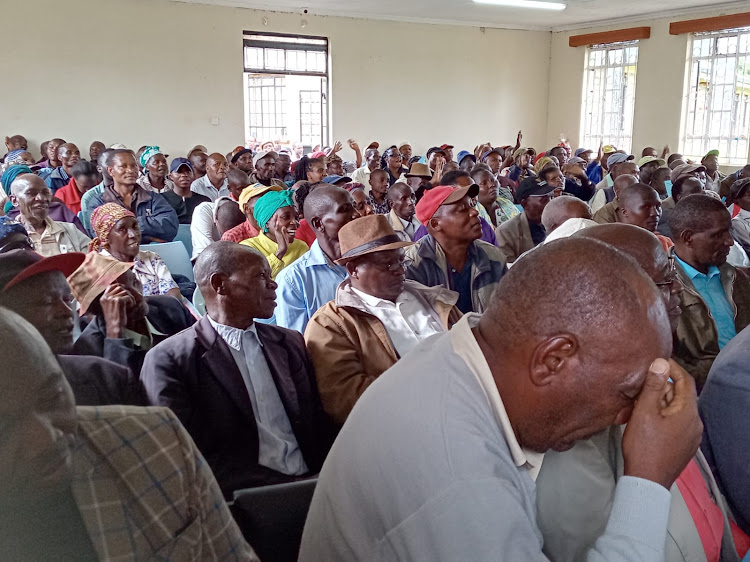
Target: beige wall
(659, 84)
(153, 71)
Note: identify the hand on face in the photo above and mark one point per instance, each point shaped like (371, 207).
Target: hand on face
(664, 430)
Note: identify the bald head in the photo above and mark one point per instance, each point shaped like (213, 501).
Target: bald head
(621, 182)
(216, 169)
(322, 199)
(26, 181)
(639, 244)
(398, 190)
(562, 208)
(221, 258)
(568, 376)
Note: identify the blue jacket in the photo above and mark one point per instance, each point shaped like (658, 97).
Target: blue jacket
(157, 219)
(57, 179)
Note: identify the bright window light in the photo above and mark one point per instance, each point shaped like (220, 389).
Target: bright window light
(534, 4)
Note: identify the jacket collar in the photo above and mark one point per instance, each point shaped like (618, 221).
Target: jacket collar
(140, 195)
(345, 296)
(428, 248)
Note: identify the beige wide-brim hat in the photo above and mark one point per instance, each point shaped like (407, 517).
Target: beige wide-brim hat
(95, 274)
(366, 235)
(419, 170)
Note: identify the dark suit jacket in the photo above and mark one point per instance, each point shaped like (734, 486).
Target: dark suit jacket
(167, 315)
(98, 382)
(195, 375)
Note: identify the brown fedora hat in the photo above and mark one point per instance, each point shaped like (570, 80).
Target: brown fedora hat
(366, 235)
(418, 170)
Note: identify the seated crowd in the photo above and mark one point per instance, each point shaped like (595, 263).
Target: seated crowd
(509, 353)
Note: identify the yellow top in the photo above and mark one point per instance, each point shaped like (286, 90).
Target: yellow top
(268, 248)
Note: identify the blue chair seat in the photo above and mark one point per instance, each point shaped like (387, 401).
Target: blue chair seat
(175, 256)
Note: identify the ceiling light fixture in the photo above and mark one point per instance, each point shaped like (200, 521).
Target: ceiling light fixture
(534, 4)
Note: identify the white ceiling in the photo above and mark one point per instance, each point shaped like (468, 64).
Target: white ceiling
(579, 13)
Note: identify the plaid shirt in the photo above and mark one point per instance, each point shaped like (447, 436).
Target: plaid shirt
(240, 232)
(145, 492)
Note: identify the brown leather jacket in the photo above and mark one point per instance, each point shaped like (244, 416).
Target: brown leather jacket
(350, 347)
(697, 339)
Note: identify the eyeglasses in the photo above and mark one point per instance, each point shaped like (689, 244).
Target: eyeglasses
(396, 266)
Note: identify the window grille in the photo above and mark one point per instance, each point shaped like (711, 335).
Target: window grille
(716, 113)
(286, 91)
(609, 95)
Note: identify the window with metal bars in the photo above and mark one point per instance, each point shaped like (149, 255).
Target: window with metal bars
(286, 90)
(715, 115)
(609, 95)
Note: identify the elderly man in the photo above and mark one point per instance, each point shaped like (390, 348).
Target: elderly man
(713, 176)
(245, 391)
(452, 254)
(561, 209)
(715, 297)
(525, 230)
(98, 483)
(35, 288)
(640, 206)
(124, 325)
(95, 149)
(723, 406)
(69, 155)
(439, 458)
(32, 198)
(609, 213)
(265, 170)
(156, 217)
(402, 217)
(376, 318)
(214, 184)
(312, 280)
(576, 488)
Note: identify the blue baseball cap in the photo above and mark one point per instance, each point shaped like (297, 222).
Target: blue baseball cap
(580, 151)
(463, 154)
(333, 180)
(178, 162)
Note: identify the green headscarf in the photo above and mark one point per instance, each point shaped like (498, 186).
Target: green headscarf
(268, 204)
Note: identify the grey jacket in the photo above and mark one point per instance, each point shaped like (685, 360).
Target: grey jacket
(422, 471)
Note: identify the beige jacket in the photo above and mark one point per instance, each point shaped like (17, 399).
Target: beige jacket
(350, 347)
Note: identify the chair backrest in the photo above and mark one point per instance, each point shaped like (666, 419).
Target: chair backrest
(175, 256)
(184, 236)
(199, 302)
(272, 518)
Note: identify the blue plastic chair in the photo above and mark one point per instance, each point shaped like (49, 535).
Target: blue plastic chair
(184, 236)
(176, 257)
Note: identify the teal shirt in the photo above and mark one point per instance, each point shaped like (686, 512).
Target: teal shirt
(712, 292)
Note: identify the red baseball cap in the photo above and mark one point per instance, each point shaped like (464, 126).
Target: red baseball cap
(442, 195)
(446, 146)
(18, 265)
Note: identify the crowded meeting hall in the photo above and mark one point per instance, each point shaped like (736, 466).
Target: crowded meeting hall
(277, 314)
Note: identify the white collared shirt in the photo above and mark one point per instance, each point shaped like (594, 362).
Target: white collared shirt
(407, 321)
(277, 446)
(203, 186)
(465, 345)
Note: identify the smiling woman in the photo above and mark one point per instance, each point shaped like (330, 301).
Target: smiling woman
(118, 235)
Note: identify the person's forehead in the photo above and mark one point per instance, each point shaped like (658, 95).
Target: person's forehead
(124, 158)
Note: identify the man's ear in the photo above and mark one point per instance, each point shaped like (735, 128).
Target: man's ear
(551, 357)
(217, 283)
(434, 224)
(13, 199)
(316, 224)
(351, 268)
(687, 237)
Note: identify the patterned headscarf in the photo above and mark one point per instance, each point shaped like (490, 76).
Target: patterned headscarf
(148, 154)
(542, 163)
(269, 203)
(103, 220)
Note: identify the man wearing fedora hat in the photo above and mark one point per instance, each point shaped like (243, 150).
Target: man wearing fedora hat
(418, 177)
(452, 254)
(35, 288)
(378, 315)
